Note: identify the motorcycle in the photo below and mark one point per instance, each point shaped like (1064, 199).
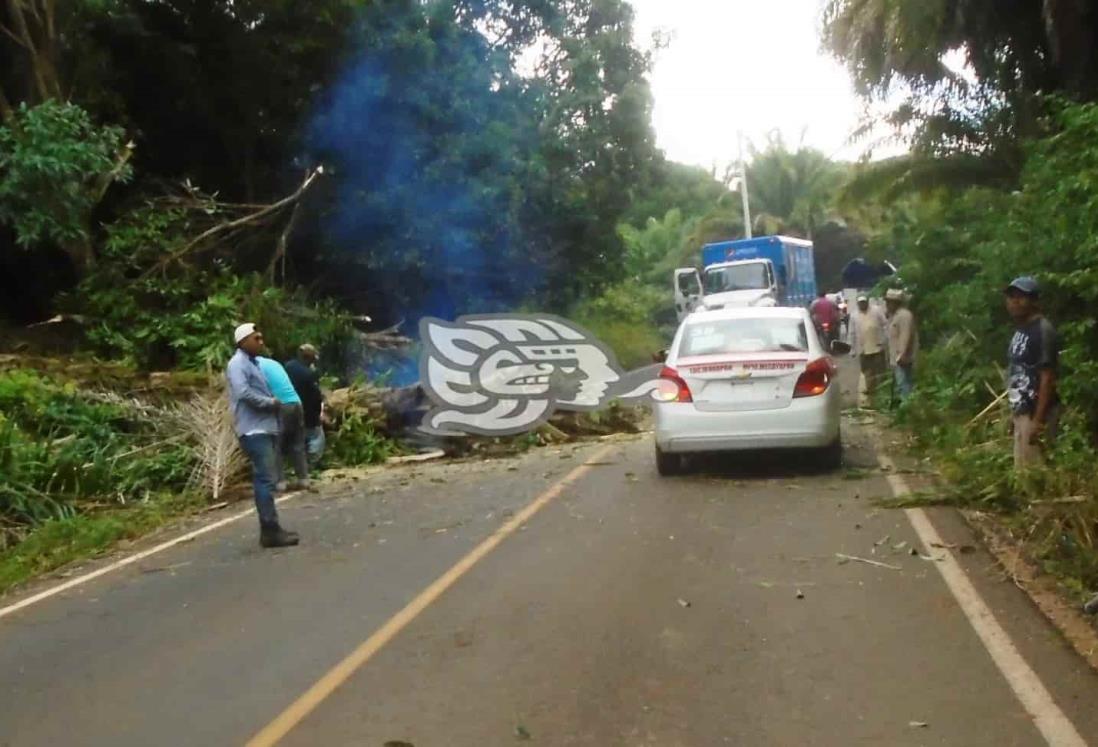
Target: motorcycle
(828, 331)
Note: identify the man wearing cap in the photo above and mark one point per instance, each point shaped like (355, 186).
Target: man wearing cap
(1032, 363)
(303, 374)
(255, 414)
(291, 423)
(903, 341)
(867, 342)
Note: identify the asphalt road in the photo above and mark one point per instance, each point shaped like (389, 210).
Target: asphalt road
(628, 610)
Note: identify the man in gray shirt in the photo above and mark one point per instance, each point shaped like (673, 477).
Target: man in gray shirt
(255, 414)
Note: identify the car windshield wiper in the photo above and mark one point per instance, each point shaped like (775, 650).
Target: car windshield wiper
(790, 348)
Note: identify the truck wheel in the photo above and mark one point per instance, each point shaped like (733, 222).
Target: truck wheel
(668, 464)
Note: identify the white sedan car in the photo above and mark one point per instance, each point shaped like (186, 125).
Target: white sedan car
(747, 378)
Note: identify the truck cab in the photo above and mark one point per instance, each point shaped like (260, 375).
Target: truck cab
(766, 271)
(751, 282)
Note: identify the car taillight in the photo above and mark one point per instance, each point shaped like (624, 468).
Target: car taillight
(680, 392)
(816, 378)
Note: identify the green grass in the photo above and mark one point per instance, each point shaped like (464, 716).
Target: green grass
(58, 542)
(632, 342)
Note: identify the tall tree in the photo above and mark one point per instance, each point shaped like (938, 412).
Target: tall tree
(792, 190)
(1015, 51)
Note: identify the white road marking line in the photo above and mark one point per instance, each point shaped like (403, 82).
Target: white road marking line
(1053, 724)
(130, 560)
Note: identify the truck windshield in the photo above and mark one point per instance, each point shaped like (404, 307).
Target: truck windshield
(736, 278)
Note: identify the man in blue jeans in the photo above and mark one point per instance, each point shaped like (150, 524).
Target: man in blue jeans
(255, 413)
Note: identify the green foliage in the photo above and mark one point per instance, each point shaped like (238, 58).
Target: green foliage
(691, 190)
(792, 191)
(184, 317)
(54, 165)
(963, 125)
(357, 441)
(57, 541)
(451, 164)
(959, 252)
(635, 320)
(60, 449)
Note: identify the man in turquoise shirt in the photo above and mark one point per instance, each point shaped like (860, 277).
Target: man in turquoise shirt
(291, 419)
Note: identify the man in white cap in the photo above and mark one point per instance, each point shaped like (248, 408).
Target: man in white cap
(255, 413)
(868, 328)
(903, 341)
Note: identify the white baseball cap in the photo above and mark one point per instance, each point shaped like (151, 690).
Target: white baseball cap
(243, 332)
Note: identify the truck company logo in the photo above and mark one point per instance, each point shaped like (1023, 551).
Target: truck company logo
(505, 374)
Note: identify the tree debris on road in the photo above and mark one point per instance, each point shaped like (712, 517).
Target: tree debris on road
(855, 558)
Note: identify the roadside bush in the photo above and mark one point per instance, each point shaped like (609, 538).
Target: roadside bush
(182, 316)
(958, 253)
(62, 451)
(634, 319)
(358, 441)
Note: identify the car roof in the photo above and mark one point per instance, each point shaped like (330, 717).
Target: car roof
(747, 312)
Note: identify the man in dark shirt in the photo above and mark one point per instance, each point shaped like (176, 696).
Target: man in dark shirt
(306, 381)
(1032, 365)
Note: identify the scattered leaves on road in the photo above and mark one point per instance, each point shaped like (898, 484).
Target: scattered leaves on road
(683, 603)
(521, 733)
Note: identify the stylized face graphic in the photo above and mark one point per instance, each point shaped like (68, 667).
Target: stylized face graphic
(499, 375)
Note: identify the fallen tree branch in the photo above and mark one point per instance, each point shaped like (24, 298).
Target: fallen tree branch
(1061, 501)
(867, 561)
(229, 226)
(280, 246)
(986, 410)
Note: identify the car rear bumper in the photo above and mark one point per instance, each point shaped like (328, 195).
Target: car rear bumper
(811, 422)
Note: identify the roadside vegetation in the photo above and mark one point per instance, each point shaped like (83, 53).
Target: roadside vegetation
(346, 168)
(333, 171)
(1000, 181)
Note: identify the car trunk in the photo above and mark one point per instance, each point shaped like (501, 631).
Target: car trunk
(742, 382)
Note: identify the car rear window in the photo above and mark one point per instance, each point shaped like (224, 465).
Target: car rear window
(769, 335)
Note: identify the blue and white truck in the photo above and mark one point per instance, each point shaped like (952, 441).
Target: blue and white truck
(763, 271)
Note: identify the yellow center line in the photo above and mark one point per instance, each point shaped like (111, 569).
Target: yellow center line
(341, 672)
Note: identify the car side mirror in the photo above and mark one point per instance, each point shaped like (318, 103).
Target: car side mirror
(838, 347)
(659, 357)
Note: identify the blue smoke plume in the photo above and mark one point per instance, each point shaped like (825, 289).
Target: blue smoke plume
(430, 148)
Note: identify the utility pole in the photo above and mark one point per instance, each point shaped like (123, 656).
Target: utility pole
(743, 189)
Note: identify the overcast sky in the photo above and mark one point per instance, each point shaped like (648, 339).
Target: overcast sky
(754, 65)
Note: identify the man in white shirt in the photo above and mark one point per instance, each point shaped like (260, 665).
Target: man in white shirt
(868, 341)
(903, 341)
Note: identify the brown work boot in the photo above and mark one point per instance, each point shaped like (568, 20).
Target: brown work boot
(276, 536)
